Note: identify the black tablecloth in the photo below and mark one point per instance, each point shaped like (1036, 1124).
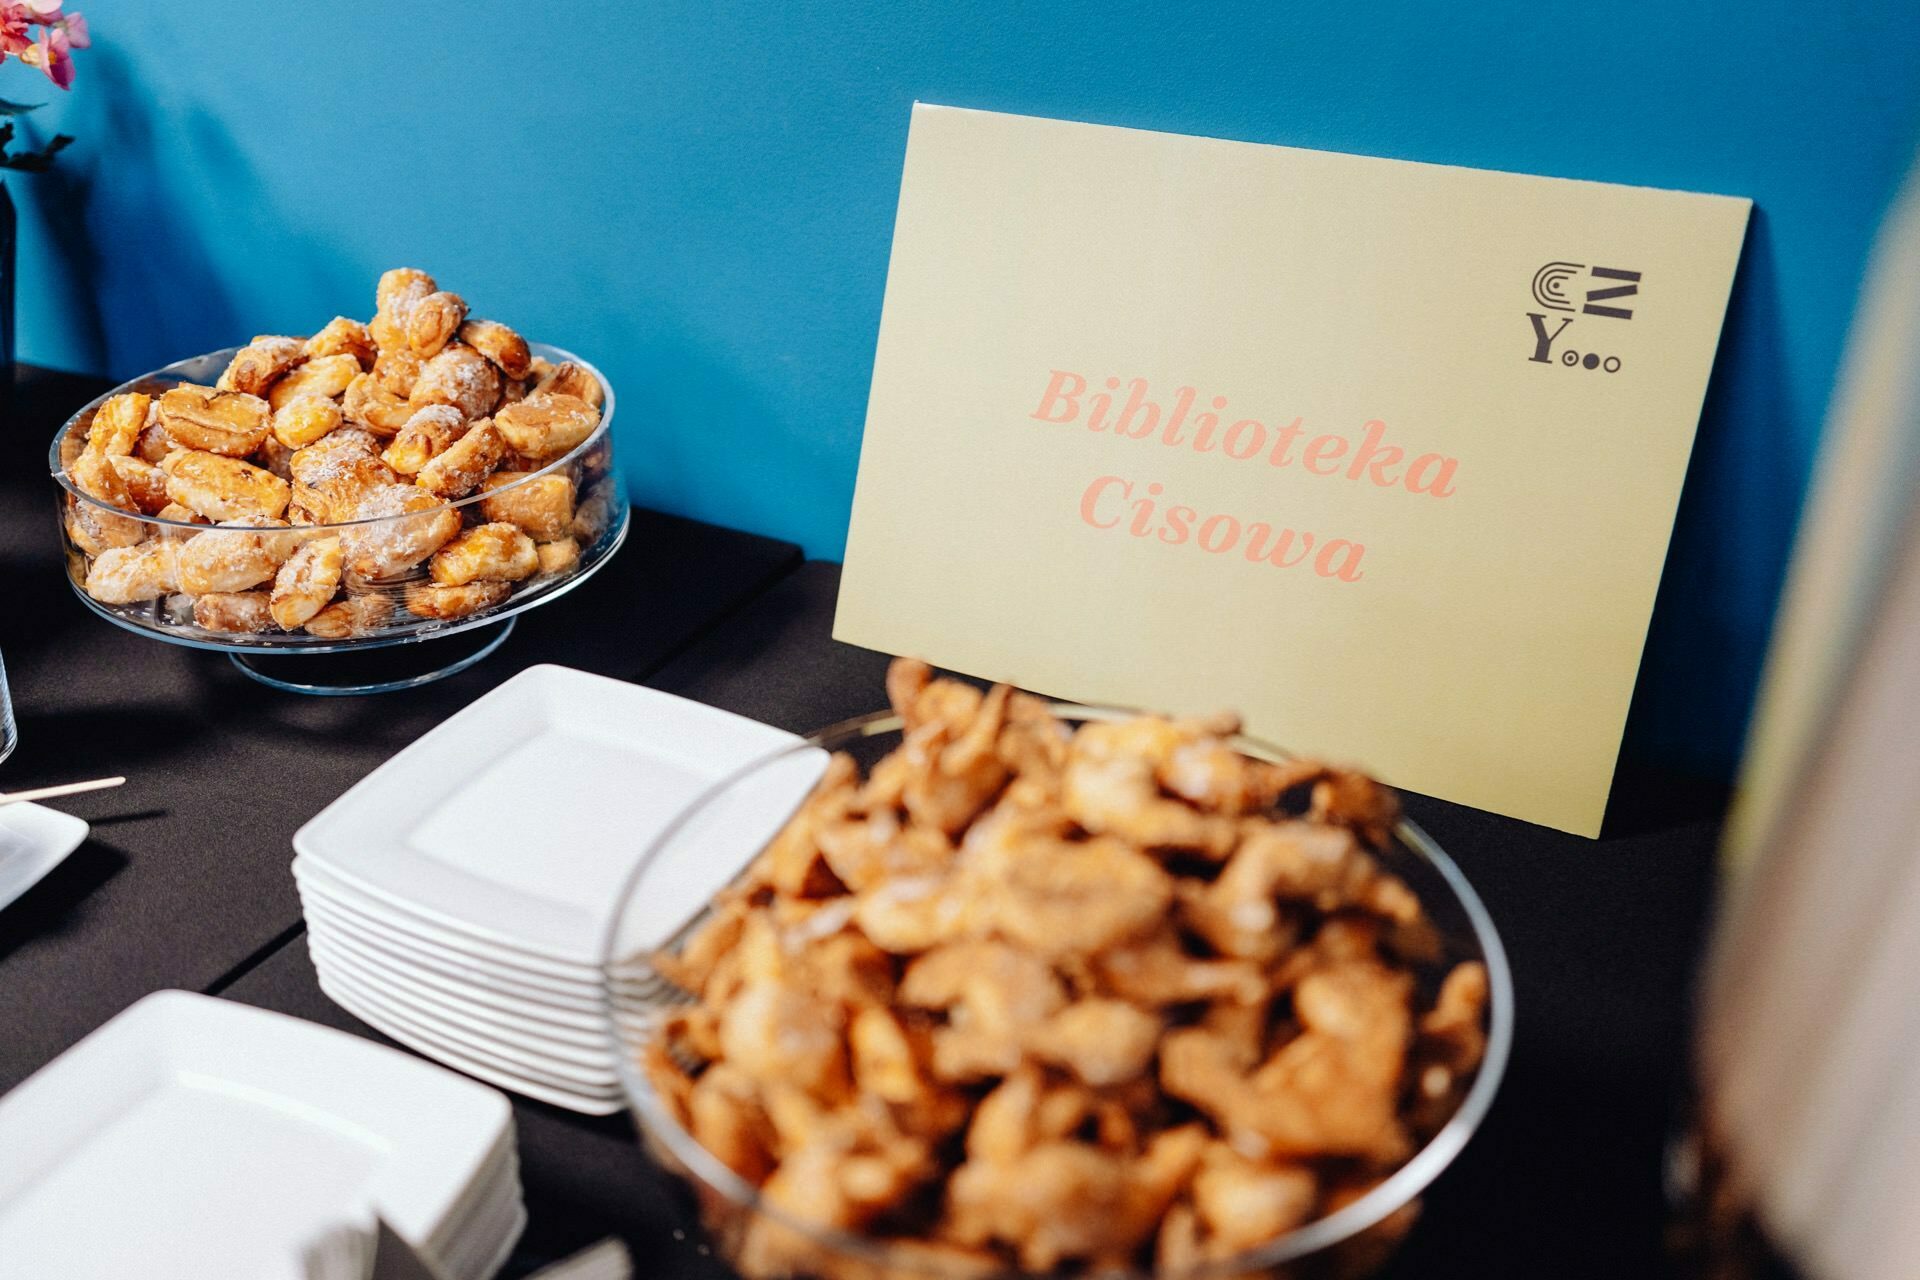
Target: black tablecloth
(1562, 1181)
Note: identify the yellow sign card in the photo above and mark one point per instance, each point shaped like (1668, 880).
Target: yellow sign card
(1383, 455)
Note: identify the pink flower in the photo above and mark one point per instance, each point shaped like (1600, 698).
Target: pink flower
(60, 34)
(14, 37)
(52, 56)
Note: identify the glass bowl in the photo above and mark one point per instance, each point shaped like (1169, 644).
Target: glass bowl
(664, 902)
(376, 613)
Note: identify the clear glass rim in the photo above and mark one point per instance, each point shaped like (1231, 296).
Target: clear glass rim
(428, 628)
(173, 371)
(1368, 1211)
(314, 690)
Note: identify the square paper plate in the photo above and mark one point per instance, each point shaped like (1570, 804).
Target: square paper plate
(519, 818)
(194, 1137)
(33, 841)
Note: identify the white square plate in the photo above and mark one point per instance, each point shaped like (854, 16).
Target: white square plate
(494, 1188)
(484, 1232)
(194, 1137)
(519, 818)
(463, 1038)
(474, 1261)
(325, 916)
(534, 1019)
(479, 1066)
(33, 841)
(461, 1021)
(321, 887)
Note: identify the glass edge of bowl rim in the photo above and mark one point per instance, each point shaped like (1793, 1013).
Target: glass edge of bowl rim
(500, 614)
(1392, 1193)
(59, 473)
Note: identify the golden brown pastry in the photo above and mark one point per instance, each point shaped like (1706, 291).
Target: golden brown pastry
(372, 408)
(461, 377)
(234, 555)
(342, 336)
(145, 483)
(1030, 996)
(395, 297)
(547, 424)
(434, 321)
(326, 377)
(402, 526)
(355, 615)
(130, 575)
(499, 344)
(430, 432)
(214, 496)
(301, 421)
(306, 583)
(232, 423)
(450, 603)
(223, 488)
(558, 557)
(498, 552)
(117, 424)
(397, 369)
(240, 611)
(542, 507)
(469, 460)
(257, 365)
(569, 379)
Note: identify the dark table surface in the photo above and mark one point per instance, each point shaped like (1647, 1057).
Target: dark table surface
(1563, 1180)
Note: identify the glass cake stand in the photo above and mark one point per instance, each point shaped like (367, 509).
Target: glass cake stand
(388, 646)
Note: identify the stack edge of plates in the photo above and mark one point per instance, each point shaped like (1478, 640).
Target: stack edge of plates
(523, 1022)
(458, 897)
(193, 1137)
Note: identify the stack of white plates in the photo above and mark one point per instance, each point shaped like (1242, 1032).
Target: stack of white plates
(458, 897)
(192, 1137)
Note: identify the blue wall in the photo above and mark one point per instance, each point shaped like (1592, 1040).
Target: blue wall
(701, 201)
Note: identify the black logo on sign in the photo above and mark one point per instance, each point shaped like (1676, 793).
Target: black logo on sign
(1550, 285)
(1596, 296)
(1603, 289)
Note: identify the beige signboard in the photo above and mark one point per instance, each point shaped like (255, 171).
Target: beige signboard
(1383, 455)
